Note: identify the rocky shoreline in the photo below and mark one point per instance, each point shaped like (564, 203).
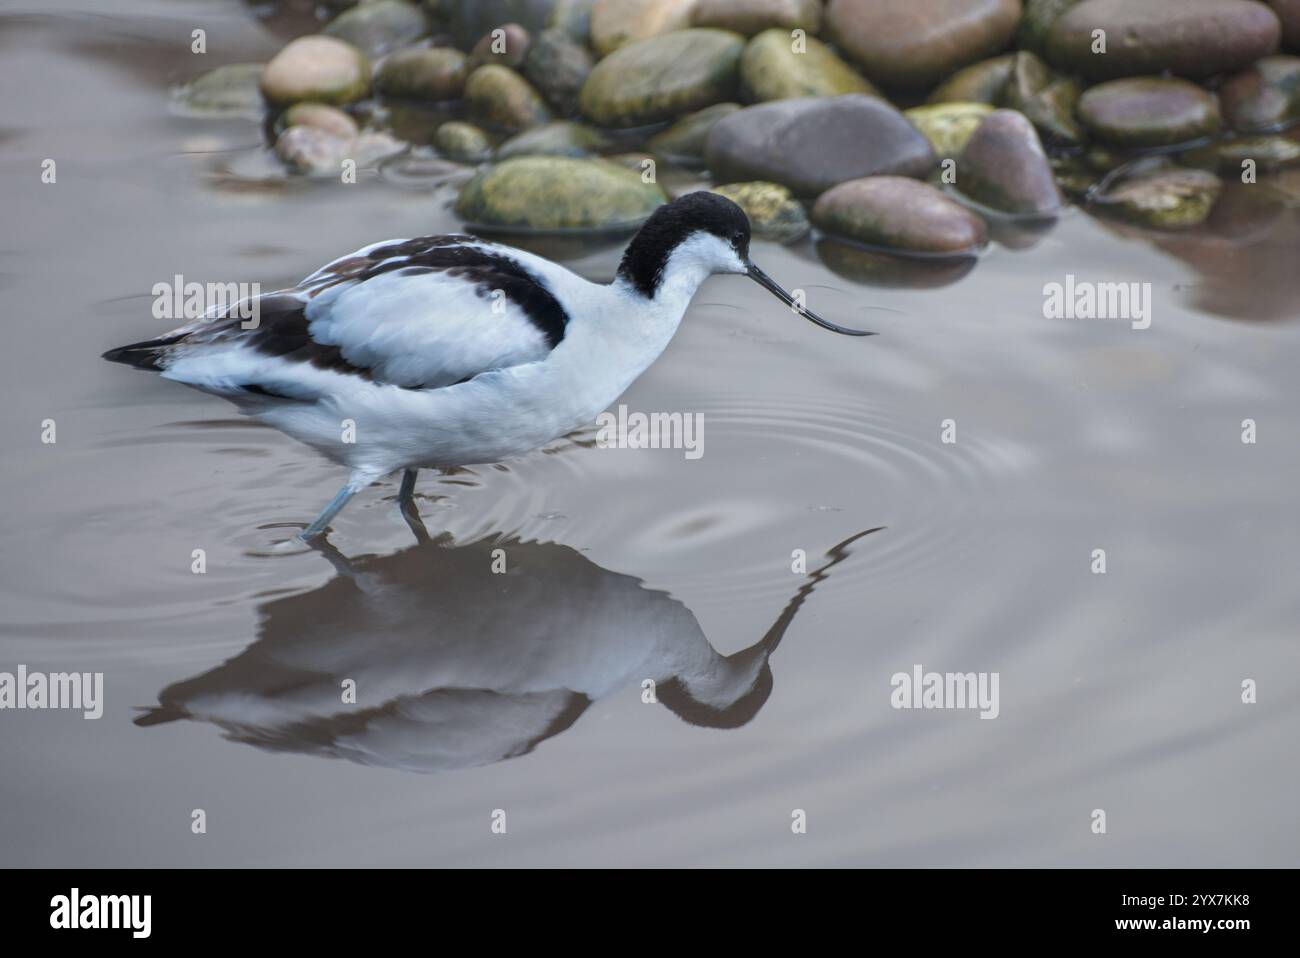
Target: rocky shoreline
(913, 128)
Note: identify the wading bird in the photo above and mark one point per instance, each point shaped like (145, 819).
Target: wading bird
(449, 351)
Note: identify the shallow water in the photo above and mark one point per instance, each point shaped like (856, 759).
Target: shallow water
(523, 693)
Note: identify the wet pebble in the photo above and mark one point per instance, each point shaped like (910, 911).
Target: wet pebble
(230, 90)
(1142, 112)
(573, 17)
(467, 20)
(1263, 96)
(1037, 20)
(319, 152)
(901, 271)
(1049, 101)
(948, 125)
(685, 139)
(330, 119)
(557, 193)
(1288, 11)
(773, 68)
(774, 214)
(558, 66)
(663, 77)
(616, 23)
(500, 97)
(506, 45)
(810, 144)
(751, 17)
(316, 68)
(562, 138)
(1267, 153)
(310, 149)
(1004, 167)
(379, 26)
(1168, 199)
(462, 142)
(982, 82)
(912, 44)
(419, 74)
(899, 214)
(1191, 38)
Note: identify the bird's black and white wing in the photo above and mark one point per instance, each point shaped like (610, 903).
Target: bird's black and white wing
(418, 314)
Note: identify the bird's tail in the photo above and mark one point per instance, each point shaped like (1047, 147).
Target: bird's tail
(143, 355)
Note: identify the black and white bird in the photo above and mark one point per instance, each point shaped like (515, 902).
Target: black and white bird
(449, 351)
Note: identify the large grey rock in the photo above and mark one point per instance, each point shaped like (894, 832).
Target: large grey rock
(810, 144)
(912, 44)
(1192, 38)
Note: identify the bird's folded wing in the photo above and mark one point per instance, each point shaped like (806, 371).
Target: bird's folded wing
(420, 314)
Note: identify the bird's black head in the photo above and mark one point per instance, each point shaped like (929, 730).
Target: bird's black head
(704, 233)
(716, 225)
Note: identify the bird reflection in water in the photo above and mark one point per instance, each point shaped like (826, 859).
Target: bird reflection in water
(457, 665)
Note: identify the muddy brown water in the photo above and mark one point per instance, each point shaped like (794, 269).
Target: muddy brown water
(523, 692)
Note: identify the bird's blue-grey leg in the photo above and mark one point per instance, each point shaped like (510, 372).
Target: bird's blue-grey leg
(336, 504)
(408, 485)
(406, 502)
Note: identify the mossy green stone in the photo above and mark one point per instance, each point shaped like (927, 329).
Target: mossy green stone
(563, 138)
(771, 69)
(686, 138)
(1174, 199)
(462, 142)
(774, 214)
(502, 98)
(417, 74)
(557, 193)
(948, 125)
(558, 66)
(663, 77)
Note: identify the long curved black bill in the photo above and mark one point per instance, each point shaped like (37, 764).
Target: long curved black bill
(771, 285)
